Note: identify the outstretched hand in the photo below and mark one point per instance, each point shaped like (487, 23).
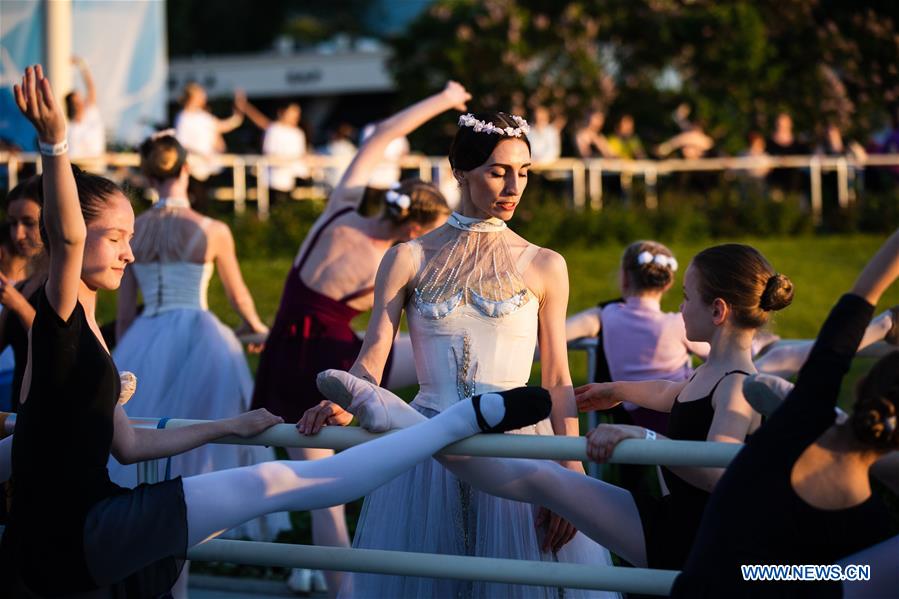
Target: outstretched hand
(34, 97)
(595, 396)
(254, 422)
(324, 414)
(457, 95)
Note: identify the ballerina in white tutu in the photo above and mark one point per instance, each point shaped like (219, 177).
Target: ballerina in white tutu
(477, 299)
(190, 365)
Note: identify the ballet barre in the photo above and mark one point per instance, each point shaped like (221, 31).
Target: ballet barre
(664, 452)
(430, 565)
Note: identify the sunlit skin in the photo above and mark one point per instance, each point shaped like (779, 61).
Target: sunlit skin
(108, 245)
(698, 316)
(494, 189)
(23, 218)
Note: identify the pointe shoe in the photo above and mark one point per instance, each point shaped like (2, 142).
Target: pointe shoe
(362, 399)
(523, 406)
(762, 393)
(892, 336)
(128, 383)
(300, 580)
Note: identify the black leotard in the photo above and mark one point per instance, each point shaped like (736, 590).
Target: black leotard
(62, 441)
(754, 515)
(670, 523)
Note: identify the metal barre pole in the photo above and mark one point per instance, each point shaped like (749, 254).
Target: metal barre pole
(663, 452)
(431, 565)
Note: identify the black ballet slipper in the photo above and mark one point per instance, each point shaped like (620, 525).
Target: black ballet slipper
(523, 406)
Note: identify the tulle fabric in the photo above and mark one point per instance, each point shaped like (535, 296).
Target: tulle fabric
(429, 510)
(475, 267)
(189, 365)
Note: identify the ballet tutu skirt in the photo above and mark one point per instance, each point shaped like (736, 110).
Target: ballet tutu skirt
(189, 365)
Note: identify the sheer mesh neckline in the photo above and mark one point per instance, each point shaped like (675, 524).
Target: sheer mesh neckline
(476, 225)
(474, 267)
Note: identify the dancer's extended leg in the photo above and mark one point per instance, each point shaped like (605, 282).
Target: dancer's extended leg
(328, 524)
(220, 500)
(605, 513)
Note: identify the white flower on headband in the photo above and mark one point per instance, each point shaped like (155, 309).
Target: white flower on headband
(479, 126)
(645, 257)
(400, 200)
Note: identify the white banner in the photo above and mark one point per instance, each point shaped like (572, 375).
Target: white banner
(124, 45)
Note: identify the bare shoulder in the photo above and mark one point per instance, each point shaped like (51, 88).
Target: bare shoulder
(550, 263)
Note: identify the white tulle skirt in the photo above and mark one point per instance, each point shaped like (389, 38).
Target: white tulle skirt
(189, 365)
(429, 510)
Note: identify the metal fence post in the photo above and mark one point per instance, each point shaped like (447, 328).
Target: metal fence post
(815, 175)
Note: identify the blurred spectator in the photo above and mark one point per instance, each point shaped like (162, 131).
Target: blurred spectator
(87, 135)
(752, 180)
(388, 170)
(545, 136)
(692, 143)
(589, 140)
(283, 140)
(342, 149)
(625, 143)
(783, 143)
(833, 145)
(200, 132)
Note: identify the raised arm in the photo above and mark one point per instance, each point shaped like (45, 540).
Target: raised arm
(232, 280)
(252, 113)
(90, 88)
(64, 223)
(880, 272)
(232, 122)
(584, 324)
(370, 153)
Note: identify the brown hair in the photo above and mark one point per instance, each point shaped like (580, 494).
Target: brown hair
(162, 157)
(874, 416)
(426, 203)
(470, 149)
(29, 189)
(649, 276)
(94, 192)
(743, 278)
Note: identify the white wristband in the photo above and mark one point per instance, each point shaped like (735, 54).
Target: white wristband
(650, 434)
(53, 149)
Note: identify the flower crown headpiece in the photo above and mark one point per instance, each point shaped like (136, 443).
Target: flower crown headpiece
(400, 200)
(645, 257)
(479, 126)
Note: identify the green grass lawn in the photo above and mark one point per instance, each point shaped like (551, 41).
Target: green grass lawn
(821, 268)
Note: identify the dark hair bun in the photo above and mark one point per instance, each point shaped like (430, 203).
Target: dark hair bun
(778, 293)
(874, 423)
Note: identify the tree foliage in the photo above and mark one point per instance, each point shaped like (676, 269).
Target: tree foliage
(737, 63)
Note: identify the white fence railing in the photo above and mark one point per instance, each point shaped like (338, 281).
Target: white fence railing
(585, 176)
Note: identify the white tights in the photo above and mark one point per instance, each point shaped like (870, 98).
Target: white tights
(220, 500)
(605, 513)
